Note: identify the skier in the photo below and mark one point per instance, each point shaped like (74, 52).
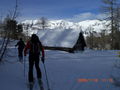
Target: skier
(21, 46)
(35, 47)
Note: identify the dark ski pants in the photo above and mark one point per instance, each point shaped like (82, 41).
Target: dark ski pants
(20, 52)
(34, 60)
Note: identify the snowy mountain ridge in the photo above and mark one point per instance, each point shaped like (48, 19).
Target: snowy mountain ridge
(96, 25)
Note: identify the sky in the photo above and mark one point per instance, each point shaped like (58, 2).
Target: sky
(74, 10)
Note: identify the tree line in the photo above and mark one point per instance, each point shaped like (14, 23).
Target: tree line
(111, 8)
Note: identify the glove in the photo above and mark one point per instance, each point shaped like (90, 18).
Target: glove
(43, 59)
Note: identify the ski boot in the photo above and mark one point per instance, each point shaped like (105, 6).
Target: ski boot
(31, 85)
(40, 84)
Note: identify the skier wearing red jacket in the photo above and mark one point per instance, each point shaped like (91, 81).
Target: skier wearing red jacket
(35, 47)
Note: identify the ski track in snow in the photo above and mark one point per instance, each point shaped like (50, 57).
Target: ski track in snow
(64, 70)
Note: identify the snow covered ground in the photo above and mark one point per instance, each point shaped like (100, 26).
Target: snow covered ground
(90, 70)
(58, 38)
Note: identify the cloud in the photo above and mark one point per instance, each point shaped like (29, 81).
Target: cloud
(74, 18)
(86, 16)
(101, 16)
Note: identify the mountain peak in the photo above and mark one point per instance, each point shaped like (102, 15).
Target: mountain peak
(96, 25)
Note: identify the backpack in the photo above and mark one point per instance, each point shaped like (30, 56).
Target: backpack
(21, 45)
(35, 48)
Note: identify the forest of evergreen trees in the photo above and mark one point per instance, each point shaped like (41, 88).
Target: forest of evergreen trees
(107, 41)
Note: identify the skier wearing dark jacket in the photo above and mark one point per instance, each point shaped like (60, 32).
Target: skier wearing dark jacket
(35, 47)
(21, 46)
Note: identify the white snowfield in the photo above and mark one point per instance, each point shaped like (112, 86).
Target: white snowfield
(90, 70)
(58, 38)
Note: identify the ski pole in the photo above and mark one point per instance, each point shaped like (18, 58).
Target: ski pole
(24, 65)
(46, 77)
